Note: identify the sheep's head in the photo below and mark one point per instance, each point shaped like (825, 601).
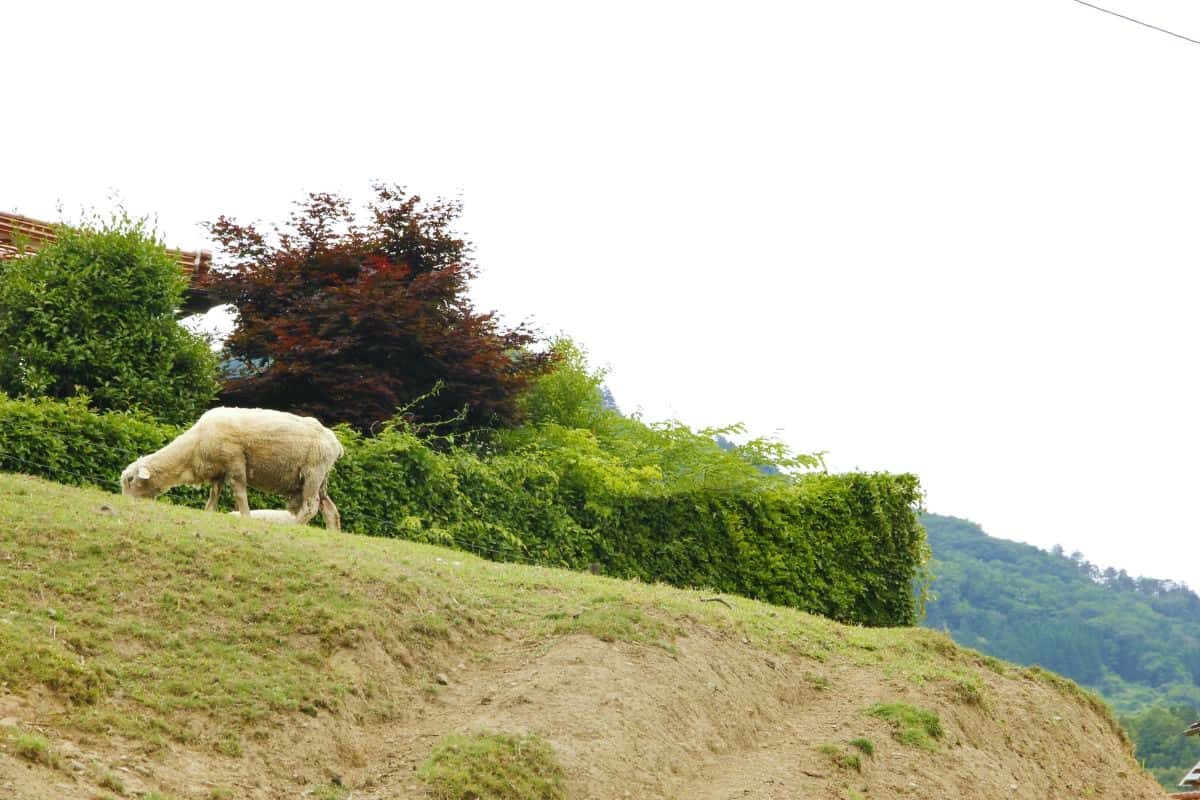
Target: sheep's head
(138, 481)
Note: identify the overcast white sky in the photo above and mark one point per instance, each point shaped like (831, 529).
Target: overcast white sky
(949, 237)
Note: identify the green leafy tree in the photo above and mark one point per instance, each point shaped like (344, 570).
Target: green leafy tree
(570, 395)
(566, 410)
(94, 313)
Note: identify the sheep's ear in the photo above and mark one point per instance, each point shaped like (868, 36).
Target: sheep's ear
(143, 474)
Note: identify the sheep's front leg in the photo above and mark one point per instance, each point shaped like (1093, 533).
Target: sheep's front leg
(214, 495)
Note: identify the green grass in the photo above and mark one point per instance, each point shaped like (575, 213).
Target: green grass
(112, 783)
(499, 766)
(818, 682)
(968, 689)
(328, 792)
(230, 744)
(910, 725)
(921, 657)
(36, 749)
(864, 746)
(840, 758)
(611, 618)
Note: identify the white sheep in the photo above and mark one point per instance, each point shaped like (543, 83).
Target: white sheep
(272, 451)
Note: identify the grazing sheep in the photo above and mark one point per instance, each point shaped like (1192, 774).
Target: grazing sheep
(272, 451)
(280, 515)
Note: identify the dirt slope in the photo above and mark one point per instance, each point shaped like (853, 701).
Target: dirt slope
(693, 699)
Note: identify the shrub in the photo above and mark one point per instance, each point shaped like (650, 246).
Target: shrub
(569, 394)
(843, 546)
(94, 311)
(69, 443)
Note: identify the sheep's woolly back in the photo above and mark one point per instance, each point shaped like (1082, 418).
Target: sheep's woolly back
(281, 450)
(278, 452)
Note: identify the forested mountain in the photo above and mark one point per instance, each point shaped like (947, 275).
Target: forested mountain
(1135, 641)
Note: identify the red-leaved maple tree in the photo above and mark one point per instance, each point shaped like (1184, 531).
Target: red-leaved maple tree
(350, 320)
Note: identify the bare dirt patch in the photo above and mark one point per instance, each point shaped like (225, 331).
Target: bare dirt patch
(711, 718)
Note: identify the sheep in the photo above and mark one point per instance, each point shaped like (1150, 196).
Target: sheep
(280, 515)
(273, 451)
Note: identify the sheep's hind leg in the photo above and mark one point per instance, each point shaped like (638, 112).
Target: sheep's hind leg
(307, 509)
(305, 503)
(329, 513)
(214, 495)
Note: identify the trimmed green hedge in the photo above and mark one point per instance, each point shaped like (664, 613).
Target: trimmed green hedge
(68, 443)
(843, 546)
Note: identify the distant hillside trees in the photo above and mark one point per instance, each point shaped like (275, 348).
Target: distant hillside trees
(608, 401)
(1132, 639)
(1161, 746)
(94, 312)
(350, 319)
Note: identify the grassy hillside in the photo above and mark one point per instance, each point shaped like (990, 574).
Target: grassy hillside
(1132, 640)
(155, 651)
(651, 503)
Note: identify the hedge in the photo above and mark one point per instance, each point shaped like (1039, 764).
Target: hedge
(844, 546)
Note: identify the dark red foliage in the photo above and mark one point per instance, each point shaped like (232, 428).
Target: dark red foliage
(348, 321)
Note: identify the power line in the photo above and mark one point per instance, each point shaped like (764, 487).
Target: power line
(1139, 22)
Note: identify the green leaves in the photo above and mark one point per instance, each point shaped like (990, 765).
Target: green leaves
(94, 311)
(68, 443)
(569, 395)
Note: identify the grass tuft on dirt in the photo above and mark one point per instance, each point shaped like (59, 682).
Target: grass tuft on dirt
(863, 745)
(36, 750)
(501, 766)
(112, 783)
(840, 758)
(910, 725)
